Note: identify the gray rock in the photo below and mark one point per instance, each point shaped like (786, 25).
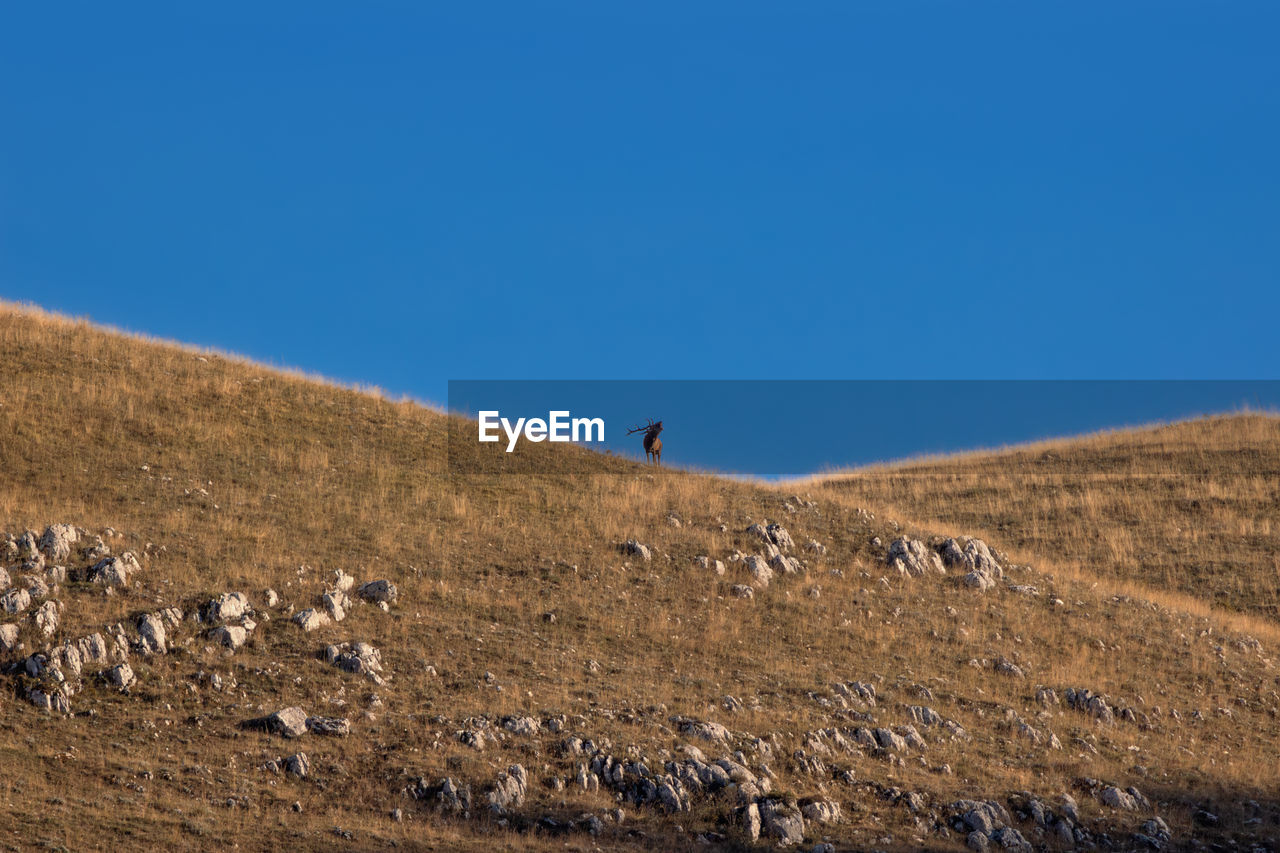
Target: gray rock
(914, 558)
(759, 570)
(785, 565)
(288, 722)
(751, 821)
(336, 603)
(231, 636)
(379, 591)
(151, 635)
(121, 677)
(57, 541)
(510, 789)
(1118, 799)
(524, 726)
(781, 820)
(635, 549)
(741, 590)
(779, 536)
(822, 811)
(8, 637)
(331, 726)
(46, 618)
(310, 619)
(298, 765)
(226, 607)
(114, 571)
(15, 601)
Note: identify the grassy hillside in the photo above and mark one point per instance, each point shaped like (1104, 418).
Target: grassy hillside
(520, 625)
(1193, 506)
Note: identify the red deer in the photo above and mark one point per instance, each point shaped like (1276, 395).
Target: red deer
(652, 444)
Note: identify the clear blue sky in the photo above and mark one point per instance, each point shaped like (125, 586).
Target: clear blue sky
(404, 193)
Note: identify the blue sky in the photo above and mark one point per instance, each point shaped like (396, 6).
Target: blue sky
(406, 193)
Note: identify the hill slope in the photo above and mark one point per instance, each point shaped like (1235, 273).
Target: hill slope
(1193, 506)
(572, 692)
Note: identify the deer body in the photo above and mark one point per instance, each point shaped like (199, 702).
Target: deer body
(652, 444)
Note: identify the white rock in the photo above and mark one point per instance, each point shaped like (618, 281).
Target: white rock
(759, 570)
(46, 618)
(8, 637)
(289, 722)
(15, 601)
(152, 634)
(57, 541)
(121, 675)
(914, 558)
(226, 607)
(231, 636)
(298, 765)
(310, 619)
(114, 571)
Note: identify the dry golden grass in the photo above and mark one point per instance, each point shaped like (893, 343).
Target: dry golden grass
(1192, 507)
(105, 430)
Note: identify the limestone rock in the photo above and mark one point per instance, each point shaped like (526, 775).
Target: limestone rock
(15, 601)
(151, 635)
(510, 790)
(226, 607)
(298, 765)
(336, 603)
(356, 658)
(46, 618)
(332, 726)
(779, 536)
(114, 571)
(914, 558)
(121, 677)
(310, 619)
(821, 811)
(231, 636)
(781, 820)
(57, 541)
(288, 722)
(635, 549)
(759, 570)
(751, 821)
(379, 591)
(8, 637)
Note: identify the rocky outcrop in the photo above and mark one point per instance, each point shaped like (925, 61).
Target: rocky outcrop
(57, 542)
(913, 558)
(114, 571)
(378, 591)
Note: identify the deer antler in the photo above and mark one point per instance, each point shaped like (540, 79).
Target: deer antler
(644, 428)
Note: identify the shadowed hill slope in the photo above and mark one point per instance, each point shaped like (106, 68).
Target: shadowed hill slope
(533, 682)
